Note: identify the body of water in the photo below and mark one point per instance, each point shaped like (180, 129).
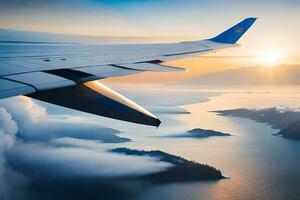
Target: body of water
(260, 165)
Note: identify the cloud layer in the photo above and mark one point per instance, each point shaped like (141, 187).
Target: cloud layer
(36, 124)
(78, 161)
(36, 146)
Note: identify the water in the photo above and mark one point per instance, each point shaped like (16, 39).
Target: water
(260, 165)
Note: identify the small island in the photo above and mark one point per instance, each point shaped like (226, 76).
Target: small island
(182, 170)
(199, 133)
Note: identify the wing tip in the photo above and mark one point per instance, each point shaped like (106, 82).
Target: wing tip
(251, 18)
(158, 122)
(233, 34)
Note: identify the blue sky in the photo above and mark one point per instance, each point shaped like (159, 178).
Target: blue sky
(278, 23)
(147, 17)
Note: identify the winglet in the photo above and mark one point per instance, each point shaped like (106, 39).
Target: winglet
(233, 34)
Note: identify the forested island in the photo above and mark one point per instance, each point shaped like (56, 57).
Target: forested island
(182, 170)
(292, 131)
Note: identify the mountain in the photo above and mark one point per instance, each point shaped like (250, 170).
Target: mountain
(287, 121)
(277, 118)
(283, 75)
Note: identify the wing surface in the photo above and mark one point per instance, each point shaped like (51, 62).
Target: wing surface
(60, 73)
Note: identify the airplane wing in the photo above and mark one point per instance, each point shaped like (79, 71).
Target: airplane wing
(61, 73)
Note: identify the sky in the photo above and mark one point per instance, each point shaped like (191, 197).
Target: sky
(277, 26)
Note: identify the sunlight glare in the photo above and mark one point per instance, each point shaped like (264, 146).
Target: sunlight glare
(271, 57)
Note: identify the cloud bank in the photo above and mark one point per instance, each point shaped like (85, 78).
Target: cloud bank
(78, 161)
(39, 150)
(36, 124)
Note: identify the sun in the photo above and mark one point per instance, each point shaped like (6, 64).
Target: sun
(272, 57)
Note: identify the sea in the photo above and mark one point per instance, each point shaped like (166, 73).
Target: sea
(258, 164)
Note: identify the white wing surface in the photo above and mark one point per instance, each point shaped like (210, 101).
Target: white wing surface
(59, 73)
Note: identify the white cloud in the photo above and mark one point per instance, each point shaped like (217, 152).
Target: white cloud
(36, 124)
(78, 158)
(65, 145)
(8, 129)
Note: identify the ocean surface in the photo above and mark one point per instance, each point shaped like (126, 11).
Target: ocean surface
(260, 165)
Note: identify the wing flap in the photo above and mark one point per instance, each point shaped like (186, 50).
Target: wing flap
(40, 80)
(10, 88)
(148, 66)
(95, 98)
(105, 71)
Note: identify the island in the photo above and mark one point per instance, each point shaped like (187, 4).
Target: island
(182, 170)
(292, 131)
(287, 121)
(201, 133)
(277, 118)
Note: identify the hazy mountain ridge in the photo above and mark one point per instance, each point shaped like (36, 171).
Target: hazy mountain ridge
(278, 119)
(287, 121)
(258, 75)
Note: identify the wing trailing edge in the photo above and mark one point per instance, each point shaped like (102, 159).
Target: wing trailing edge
(96, 98)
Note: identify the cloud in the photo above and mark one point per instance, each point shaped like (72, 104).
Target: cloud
(41, 150)
(8, 178)
(277, 108)
(78, 159)
(61, 141)
(8, 129)
(36, 124)
(67, 145)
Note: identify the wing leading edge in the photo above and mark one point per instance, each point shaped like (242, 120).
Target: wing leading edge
(60, 74)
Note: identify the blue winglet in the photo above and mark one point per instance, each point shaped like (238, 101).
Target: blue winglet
(232, 35)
